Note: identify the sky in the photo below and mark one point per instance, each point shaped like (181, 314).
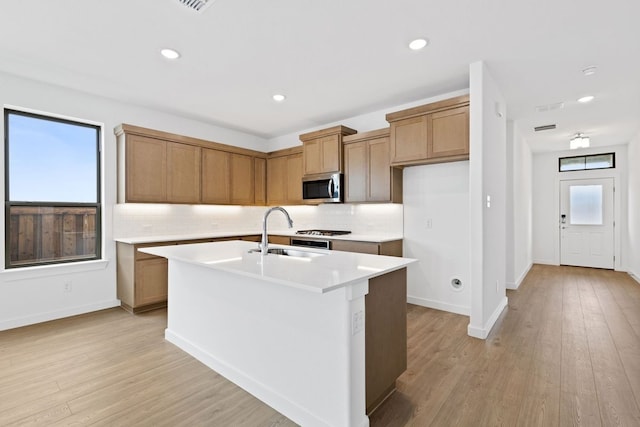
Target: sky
(51, 161)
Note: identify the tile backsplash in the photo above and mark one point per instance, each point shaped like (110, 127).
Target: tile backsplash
(142, 220)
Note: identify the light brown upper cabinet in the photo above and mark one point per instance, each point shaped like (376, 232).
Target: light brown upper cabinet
(322, 150)
(242, 179)
(227, 178)
(183, 173)
(160, 167)
(369, 176)
(431, 133)
(284, 177)
(145, 169)
(161, 171)
(260, 180)
(216, 177)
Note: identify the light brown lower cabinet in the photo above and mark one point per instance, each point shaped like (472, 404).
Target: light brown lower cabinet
(142, 280)
(385, 335)
(392, 248)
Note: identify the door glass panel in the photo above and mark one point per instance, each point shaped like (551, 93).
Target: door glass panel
(585, 204)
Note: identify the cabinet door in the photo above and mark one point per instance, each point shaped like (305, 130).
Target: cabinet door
(183, 173)
(260, 180)
(379, 173)
(312, 152)
(449, 133)
(146, 169)
(331, 154)
(242, 180)
(151, 281)
(215, 177)
(409, 139)
(353, 246)
(356, 171)
(294, 179)
(277, 180)
(322, 155)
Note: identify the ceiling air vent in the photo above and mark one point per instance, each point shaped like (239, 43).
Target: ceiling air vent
(545, 127)
(549, 107)
(197, 5)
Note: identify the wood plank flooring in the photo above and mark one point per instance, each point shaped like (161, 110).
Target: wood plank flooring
(566, 352)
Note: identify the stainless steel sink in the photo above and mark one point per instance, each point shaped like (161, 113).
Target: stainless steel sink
(291, 252)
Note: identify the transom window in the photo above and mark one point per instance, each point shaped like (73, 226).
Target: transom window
(52, 190)
(592, 161)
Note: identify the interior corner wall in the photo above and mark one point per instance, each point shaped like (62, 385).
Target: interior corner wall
(488, 200)
(633, 205)
(546, 201)
(519, 194)
(36, 294)
(436, 232)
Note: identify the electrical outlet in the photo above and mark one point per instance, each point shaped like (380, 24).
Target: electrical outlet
(429, 224)
(68, 286)
(357, 322)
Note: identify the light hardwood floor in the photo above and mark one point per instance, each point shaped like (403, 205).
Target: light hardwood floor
(565, 352)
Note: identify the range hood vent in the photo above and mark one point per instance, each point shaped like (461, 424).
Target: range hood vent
(545, 127)
(197, 5)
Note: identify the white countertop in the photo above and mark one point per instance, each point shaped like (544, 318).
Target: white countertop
(332, 270)
(373, 238)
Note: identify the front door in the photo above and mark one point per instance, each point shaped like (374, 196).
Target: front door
(586, 223)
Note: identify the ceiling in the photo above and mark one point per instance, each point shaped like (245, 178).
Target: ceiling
(338, 58)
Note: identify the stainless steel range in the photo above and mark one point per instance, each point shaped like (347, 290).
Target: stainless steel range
(312, 242)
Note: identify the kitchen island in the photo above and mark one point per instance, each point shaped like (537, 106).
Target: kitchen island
(288, 329)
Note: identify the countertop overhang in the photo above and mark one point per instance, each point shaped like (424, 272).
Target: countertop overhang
(320, 274)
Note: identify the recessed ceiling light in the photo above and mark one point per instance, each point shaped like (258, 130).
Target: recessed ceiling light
(589, 71)
(418, 44)
(170, 53)
(586, 99)
(279, 98)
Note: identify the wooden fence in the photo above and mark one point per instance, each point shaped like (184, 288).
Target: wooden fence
(44, 234)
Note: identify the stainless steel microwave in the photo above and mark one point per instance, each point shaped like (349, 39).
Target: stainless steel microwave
(323, 188)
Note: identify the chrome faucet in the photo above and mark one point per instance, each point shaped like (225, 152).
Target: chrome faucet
(264, 246)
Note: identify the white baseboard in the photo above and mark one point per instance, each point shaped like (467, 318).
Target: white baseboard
(438, 305)
(519, 280)
(261, 391)
(545, 262)
(483, 331)
(57, 314)
(635, 276)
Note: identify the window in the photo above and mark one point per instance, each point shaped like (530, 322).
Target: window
(593, 161)
(585, 205)
(52, 190)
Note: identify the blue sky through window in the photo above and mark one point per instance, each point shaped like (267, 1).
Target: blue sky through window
(51, 161)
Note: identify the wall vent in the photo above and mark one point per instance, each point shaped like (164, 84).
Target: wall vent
(197, 5)
(545, 127)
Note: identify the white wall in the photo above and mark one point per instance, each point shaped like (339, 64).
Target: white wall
(546, 199)
(36, 294)
(488, 219)
(519, 221)
(633, 244)
(436, 224)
